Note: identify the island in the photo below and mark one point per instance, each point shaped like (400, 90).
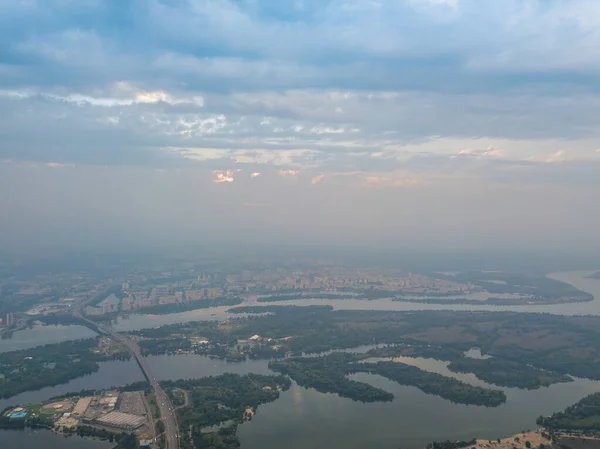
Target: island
(123, 416)
(493, 370)
(211, 408)
(49, 365)
(329, 374)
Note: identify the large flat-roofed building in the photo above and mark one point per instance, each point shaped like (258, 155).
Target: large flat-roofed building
(82, 405)
(120, 420)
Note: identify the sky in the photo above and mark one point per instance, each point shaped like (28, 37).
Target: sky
(391, 124)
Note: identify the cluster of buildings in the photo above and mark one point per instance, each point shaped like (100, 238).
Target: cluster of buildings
(109, 410)
(160, 295)
(322, 278)
(142, 290)
(8, 320)
(332, 278)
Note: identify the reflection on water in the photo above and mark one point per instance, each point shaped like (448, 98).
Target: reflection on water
(303, 418)
(575, 278)
(188, 366)
(143, 321)
(115, 373)
(52, 334)
(411, 421)
(34, 439)
(43, 335)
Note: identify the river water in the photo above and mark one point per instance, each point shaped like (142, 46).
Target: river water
(411, 421)
(575, 278)
(45, 439)
(303, 418)
(40, 334)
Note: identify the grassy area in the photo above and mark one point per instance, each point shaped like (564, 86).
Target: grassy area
(151, 398)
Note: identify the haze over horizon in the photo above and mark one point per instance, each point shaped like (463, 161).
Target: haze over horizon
(424, 124)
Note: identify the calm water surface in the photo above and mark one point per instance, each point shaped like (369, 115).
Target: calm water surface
(411, 421)
(44, 439)
(110, 374)
(43, 335)
(143, 321)
(303, 418)
(575, 278)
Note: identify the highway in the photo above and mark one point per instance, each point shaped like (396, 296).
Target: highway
(167, 411)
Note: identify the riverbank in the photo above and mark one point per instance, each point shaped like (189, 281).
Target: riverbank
(523, 440)
(540, 439)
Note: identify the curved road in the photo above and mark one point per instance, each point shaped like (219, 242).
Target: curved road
(167, 411)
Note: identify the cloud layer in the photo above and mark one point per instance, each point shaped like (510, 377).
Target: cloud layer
(329, 97)
(316, 85)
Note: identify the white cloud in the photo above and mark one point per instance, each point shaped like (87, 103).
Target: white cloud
(289, 173)
(255, 175)
(117, 94)
(221, 176)
(317, 179)
(326, 130)
(556, 157)
(392, 180)
(198, 154)
(450, 3)
(490, 152)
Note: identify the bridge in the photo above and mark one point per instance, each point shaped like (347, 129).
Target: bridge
(167, 411)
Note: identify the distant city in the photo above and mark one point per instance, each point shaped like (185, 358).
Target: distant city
(52, 294)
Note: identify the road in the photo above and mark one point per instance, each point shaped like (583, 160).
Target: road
(167, 411)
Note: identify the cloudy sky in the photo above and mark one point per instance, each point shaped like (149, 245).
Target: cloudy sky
(393, 123)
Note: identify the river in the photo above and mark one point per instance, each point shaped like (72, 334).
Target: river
(40, 334)
(303, 418)
(45, 439)
(576, 278)
(411, 421)
(53, 334)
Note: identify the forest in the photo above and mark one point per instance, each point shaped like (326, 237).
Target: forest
(49, 365)
(328, 374)
(581, 416)
(529, 350)
(493, 370)
(222, 402)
